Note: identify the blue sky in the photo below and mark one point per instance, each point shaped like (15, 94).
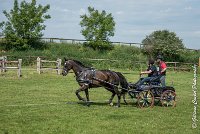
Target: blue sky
(135, 19)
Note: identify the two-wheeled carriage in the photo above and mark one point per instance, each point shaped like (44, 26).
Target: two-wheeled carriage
(151, 93)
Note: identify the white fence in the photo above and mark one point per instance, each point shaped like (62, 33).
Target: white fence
(41, 67)
(4, 65)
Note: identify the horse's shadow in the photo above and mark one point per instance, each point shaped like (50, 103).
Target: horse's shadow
(88, 103)
(93, 103)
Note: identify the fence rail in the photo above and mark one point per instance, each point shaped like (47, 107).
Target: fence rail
(79, 41)
(179, 66)
(43, 65)
(176, 66)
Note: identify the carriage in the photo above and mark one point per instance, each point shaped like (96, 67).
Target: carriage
(152, 93)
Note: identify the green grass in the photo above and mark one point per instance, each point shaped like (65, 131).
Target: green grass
(47, 103)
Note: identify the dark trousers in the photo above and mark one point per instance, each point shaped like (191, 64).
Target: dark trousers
(146, 79)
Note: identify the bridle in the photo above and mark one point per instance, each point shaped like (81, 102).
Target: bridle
(66, 69)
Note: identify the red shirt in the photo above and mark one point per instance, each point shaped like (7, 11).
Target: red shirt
(163, 66)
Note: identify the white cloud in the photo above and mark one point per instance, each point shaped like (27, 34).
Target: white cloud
(166, 10)
(188, 8)
(65, 10)
(119, 12)
(82, 11)
(197, 33)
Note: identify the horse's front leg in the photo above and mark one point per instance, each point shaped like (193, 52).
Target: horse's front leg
(118, 96)
(82, 88)
(87, 96)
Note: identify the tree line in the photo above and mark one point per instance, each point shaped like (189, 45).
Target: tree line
(25, 23)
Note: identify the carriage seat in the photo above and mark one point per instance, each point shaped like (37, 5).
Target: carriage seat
(155, 81)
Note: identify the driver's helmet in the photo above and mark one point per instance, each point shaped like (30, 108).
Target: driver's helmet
(151, 61)
(160, 57)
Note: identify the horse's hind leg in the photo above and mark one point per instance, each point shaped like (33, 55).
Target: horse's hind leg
(119, 97)
(87, 94)
(124, 97)
(111, 98)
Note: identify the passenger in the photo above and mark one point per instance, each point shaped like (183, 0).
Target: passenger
(162, 70)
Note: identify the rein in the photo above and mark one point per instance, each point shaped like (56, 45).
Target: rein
(109, 83)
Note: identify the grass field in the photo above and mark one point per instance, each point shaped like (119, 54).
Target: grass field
(46, 103)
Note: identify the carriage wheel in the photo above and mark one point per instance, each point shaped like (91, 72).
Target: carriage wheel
(145, 99)
(168, 98)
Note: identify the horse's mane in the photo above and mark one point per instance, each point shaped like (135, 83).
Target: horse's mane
(80, 63)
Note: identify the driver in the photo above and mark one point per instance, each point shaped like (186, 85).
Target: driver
(151, 71)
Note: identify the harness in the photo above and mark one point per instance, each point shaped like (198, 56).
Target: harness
(86, 76)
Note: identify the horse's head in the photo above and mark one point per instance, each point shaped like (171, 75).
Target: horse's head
(67, 66)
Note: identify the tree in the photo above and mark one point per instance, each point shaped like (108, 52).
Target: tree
(1, 34)
(165, 43)
(97, 28)
(24, 24)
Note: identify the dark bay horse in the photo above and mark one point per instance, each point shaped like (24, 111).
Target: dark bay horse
(90, 78)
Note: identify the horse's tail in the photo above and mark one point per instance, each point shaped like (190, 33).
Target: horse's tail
(123, 82)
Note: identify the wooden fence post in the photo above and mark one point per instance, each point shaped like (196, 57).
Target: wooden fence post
(59, 61)
(175, 67)
(39, 65)
(1, 67)
(4, 63)
(19, 67)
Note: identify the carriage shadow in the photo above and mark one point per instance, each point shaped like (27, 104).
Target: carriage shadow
(105, 104)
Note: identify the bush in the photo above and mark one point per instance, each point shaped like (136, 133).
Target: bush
(165, 43)
(99, 45)
(189, 56)
(119, 57)
(128, 57)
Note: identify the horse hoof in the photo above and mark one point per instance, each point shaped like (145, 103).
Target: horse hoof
(88, 104)
(111, 104)
(84, 100)
(117, 106)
